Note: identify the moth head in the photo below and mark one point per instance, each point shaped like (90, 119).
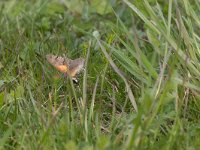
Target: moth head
(58, 62)
(66, 65)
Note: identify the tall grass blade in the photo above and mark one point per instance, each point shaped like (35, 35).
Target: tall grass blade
(128, 89)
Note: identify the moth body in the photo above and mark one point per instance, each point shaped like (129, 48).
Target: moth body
(66, 65)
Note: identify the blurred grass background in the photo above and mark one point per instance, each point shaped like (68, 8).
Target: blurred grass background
(140, 88)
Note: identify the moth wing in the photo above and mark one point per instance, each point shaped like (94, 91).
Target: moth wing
(60, 63)
(75, 66)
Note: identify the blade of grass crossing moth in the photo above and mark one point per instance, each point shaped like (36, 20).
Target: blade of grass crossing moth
(128, 89)
(91, 114)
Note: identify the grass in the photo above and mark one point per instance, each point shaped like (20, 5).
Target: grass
(140, 87)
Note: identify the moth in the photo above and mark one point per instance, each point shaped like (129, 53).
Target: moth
(66, 65)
